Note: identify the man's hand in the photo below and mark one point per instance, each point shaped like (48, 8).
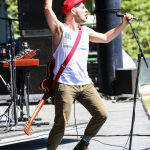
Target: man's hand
(127, 16)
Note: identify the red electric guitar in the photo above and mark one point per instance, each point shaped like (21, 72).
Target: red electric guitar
(45, 84)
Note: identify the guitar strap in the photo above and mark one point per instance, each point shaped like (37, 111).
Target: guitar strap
(66, 61)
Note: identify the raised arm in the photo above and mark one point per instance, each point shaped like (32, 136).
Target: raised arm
(111, 34)
(54, 24)
(51, 18)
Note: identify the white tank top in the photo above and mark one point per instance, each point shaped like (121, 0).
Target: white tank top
(75, 72)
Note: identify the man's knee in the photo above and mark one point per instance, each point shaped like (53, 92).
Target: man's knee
(105, 114)
(102, 116)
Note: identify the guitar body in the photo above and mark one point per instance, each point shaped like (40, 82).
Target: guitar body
(45, 84)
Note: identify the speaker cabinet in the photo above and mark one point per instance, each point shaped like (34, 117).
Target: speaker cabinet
(32, 16)
(125, 81)
(3, 23)
(42, 43)
(30, 5)
(36, 76)
(32, 21)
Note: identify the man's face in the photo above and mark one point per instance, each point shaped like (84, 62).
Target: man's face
(80, 12)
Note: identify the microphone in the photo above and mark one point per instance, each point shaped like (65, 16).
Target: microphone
(118, 14)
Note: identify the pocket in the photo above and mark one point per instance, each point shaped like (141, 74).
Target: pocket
(61, 87)
(55, 88)
(64, 87)
(58, 87)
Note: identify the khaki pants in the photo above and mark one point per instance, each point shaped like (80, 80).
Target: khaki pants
(64, 96)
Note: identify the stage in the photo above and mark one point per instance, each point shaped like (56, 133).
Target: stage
(114, 132)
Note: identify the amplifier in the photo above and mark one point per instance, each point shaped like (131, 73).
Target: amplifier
(32, 21)
(30, 5)
(125, 81)
(31, 14)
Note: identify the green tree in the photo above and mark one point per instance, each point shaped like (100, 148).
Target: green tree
(12, 11)
(141, 10)
(88, 5)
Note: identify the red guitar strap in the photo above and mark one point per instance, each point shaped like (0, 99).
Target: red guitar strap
(66, 61)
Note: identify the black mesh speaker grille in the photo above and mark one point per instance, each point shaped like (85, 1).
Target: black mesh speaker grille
(125, 81)
(32, 21)
(32, 16)
(30, 5)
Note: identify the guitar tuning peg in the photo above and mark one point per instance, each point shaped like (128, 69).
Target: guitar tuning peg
(31, 131)
(26, 126)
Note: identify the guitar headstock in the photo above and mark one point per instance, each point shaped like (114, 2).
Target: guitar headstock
(27, 129)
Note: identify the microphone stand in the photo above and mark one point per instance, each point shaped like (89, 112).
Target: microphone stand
(11, 64)
(137, 81)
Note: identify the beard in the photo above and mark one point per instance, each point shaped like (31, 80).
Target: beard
(80, 19)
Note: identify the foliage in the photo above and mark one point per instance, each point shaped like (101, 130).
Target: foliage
(12, 11)
(88, 6)
(147, 104)
(141, 10)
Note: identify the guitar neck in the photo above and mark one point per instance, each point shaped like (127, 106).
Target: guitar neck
(28, 130)
(36, 111)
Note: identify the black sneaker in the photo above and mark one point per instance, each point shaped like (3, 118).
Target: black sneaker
(82, 145)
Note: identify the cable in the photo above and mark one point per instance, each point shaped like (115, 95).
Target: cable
(127, 141)
(38, 54)
(31, 87)
(108, 144)
(112, 135)
(32, 91)
(95, 139)
(75, 122)
(133, 122)
(137, 28)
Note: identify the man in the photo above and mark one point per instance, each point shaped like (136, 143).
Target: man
(74, 83)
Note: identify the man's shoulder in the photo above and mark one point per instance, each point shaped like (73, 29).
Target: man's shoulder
(87, 29)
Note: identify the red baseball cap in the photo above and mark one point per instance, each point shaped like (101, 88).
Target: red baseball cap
(69, 4)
